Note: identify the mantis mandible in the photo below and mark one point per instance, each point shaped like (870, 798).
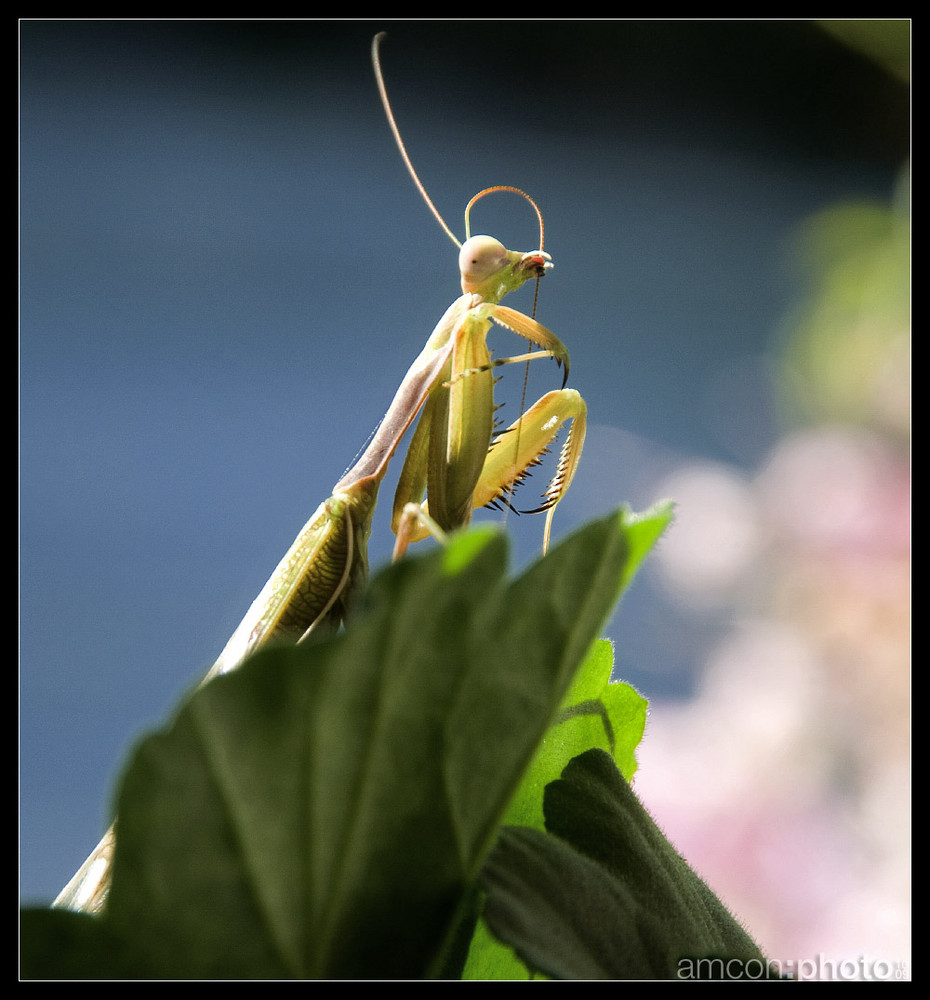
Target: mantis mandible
(453, 456)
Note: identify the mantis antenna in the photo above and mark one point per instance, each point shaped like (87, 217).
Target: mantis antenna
(382, 89)
(539, 216)
(379, 76)
(504, 187)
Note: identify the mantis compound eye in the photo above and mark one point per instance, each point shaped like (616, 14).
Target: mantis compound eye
(479, 258)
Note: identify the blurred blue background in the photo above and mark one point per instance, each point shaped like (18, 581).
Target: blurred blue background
(225, 272)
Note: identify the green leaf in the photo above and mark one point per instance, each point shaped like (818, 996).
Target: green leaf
(58, 944)
(642, 532)
(594, 713)
(604, 895)
(323, 812)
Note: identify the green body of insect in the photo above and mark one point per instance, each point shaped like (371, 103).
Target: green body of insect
(451, 456)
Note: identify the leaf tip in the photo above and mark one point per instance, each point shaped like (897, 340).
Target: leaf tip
(464, 547)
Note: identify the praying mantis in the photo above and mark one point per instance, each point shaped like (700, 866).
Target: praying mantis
(454, 458)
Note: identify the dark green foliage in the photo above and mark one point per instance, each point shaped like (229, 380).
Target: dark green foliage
(325, 811)
(606, 897)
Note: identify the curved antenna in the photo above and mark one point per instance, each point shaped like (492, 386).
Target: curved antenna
(513, 190)
(379, 76)
(542, 234)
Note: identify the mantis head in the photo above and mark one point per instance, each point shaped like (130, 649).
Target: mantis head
(490, 270)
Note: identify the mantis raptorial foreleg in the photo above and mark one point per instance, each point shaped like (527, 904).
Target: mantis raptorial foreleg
(452, 457)
(511, 454)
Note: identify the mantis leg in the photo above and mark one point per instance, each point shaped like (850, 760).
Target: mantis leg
(519, 447)
(512, 453)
